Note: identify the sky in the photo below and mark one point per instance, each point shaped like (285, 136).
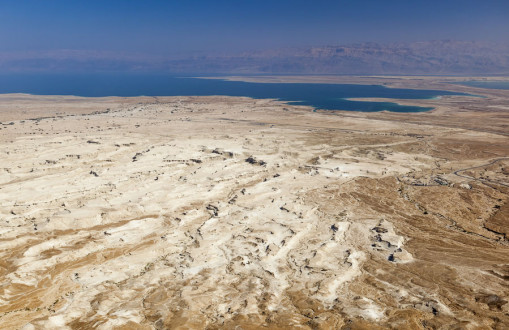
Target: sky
(168, 28)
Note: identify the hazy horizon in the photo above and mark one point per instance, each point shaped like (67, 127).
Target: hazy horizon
(38, 35)
(165, 28)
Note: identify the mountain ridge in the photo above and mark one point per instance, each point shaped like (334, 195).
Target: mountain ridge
(427, 57)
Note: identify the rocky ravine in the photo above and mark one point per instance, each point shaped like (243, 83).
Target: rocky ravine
(216, 212)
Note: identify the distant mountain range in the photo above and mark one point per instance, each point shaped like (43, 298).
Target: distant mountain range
(431, 57)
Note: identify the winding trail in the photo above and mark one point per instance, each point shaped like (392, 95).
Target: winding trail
(484, 165)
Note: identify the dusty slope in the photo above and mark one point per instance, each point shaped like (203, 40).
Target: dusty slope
(211, 212)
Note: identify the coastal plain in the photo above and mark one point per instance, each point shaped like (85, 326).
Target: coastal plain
(218, 212)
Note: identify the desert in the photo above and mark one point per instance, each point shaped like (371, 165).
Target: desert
(229, 212)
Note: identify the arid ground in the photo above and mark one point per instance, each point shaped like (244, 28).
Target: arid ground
(235, 213)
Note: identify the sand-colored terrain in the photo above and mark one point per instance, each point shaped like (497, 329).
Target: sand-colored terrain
(234, 213)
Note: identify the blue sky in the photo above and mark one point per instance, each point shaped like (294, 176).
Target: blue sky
(162, 28)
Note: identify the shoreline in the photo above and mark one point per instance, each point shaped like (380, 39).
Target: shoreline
(326, 102)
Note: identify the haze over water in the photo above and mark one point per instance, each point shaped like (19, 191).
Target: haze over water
(487, 84)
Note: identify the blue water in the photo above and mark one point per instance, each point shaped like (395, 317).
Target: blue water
(486, 84)
(318, 96)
